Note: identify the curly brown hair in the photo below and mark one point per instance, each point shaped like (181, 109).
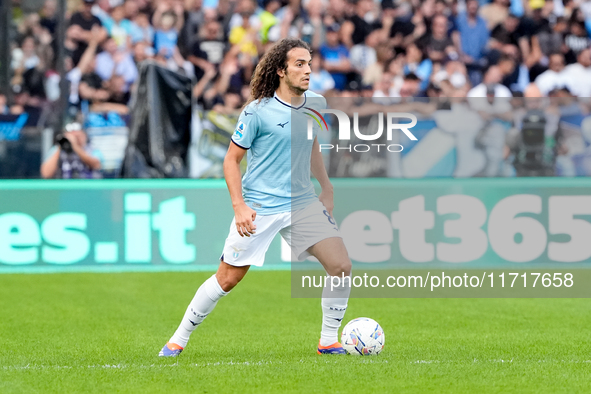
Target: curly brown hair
(266, 80)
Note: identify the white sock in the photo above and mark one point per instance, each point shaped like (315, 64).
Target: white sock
(205, 300)
(334, 305)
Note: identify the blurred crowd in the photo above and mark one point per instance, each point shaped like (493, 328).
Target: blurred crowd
(387, 48)
(390, 48)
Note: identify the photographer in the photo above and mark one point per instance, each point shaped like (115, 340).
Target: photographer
(72, 157)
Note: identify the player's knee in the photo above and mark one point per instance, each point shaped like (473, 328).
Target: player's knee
(228, 281)
(341, 269)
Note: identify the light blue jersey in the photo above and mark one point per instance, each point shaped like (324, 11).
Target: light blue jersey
(277, 176)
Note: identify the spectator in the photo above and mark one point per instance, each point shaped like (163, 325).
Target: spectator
(245, 35)
(417, 63)
(91, 87)
(316, 14)
(231, 103)
(209, 49)
(395, 69)
(102, 10)
(194, 17)
(336, 11)
(29, 26)
(491, 85)
(505, 33)
(553, 78)
(336, 56)
(86, 65)
(131, 9)
(114, 61)
(268, 18)
(215, 98)
(510, 59)
(28, 82)
(80, 28)
(25, 57)
(552, 40)
(72, 156)
(405, 27)
(142, 52)
(474, 37)
(141, 30)
(507, 67)
(411, 86)
(495, 12)
(357, 28)
(246, 9)
(451, 77)
(438, 44)
(373, 72)
(320, 80)
(364, 55)
(107, 96)
(48, 16)
(576, 40)
(530, 29)
(167, 23)
(579, 74)
(200, 87)
(532, 91)
(34, 86)
(385, 89)
(119, 28)
(176, 63)
(118, 92)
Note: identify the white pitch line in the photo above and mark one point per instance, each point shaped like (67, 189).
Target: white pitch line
(157, 366)
(262, 362)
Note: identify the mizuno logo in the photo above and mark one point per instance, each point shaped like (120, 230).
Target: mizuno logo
(339, 320)
(282, 125)
(247, 113)
(193, 323)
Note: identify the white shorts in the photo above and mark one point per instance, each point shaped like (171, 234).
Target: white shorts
(300, 229)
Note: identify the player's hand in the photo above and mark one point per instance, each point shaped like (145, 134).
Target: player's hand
(326, 197)
(245, 216)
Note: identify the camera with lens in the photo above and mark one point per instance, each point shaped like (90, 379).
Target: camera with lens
(61, 139)
(535, 156)
(64, 143)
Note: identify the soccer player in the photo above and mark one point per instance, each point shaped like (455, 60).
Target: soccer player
(276, 195)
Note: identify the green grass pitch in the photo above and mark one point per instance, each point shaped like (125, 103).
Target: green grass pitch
(69, 333)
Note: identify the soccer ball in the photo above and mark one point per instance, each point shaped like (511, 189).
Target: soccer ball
(363, 336)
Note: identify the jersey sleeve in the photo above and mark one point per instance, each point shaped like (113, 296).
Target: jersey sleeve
(247, 129)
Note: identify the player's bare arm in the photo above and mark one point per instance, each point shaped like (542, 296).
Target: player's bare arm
(243, 213)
